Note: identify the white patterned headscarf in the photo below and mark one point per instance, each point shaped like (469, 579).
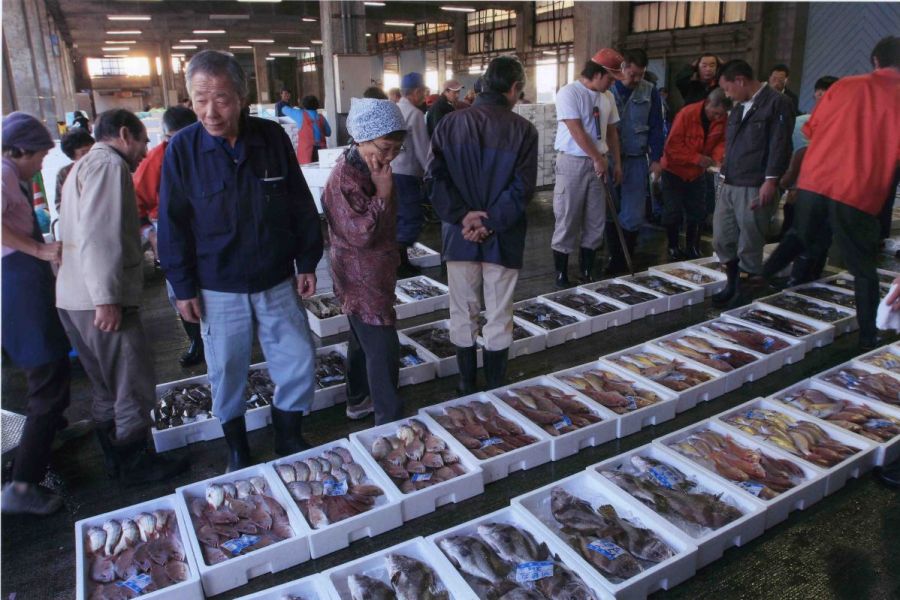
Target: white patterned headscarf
(371, 118)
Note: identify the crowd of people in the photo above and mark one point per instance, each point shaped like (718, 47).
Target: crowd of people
(225, 207)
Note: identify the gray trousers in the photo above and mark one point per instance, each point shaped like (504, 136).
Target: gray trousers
(373, 361)
(739, 232)
(579, 205)
(119, 365)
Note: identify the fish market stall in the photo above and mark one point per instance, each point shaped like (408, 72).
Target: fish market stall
(561, 323)
(711, 280)
(678, 293)
(643, 302)
(602, 312)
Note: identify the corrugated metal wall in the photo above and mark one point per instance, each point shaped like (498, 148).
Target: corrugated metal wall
(840, 37)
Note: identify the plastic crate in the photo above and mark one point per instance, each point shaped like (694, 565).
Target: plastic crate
(580, 328)
(822, 336)
(719, 279)
(598, 323)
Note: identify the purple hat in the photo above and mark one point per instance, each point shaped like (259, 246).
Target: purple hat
(22, 131)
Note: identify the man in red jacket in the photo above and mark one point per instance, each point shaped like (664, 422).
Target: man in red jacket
(696, 142)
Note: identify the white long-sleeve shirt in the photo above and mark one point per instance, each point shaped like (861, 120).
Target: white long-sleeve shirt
(413, 159)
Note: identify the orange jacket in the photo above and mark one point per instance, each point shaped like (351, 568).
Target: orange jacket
(687, 143)
(146, 183)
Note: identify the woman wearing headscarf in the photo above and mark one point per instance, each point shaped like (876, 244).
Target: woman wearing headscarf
(362, 219)
(33, 336)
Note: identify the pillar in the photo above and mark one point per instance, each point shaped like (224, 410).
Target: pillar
(165, 75)
(524, 44)
(596, 26)
(343, 29)
(261, 68)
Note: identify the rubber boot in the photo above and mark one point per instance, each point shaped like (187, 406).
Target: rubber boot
(105, 432)
(495, 362)
(722, 298)
(890, 474)
(675, 253)
(867, 298)
(801, 271)
(288, 437)
(616, 263)
(692, 241)
(788, 250)
(561, 265)
(467, 360)
(238, 447)
(139, 465)
(586, 261)
(818, 265)
(748, 288)
(194, 354)
(406, 268)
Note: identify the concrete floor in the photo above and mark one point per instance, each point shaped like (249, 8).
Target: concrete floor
(846, 546)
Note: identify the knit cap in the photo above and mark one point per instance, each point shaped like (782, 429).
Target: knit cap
(22, 131)
(371, 118)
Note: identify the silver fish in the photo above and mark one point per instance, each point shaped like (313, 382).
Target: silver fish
(470, 555)
(215, 495)
(511, 543)
(113, 531)
(286, 472)
(414, 580)
(96, 539)
(146, 525)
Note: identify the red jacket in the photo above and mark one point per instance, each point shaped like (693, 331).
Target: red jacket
(146, 183)
(687, 143)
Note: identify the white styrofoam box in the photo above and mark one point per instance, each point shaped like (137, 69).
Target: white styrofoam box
(444, 366)
(334, 394)
(718, 283)
(570, 443)
(519, 459)
(822, 336)
(375, 565)
(659, 304)
(573, 331)
(417, 373)
(634, 421)
(794, 353)
(190, 587)
(836, 476)
(843, 325)
(521, 520)
(799, 497)
(328, 326)
(315, 175)
(711, 543)
(423, 307)
(535, 343)
(855, 364)
(598, 323)
(431, 259)
(702, 392)
(736, 377)
(426, 500)
(236, 571)
(312, 587)
(694, 294)
(384, 515)
(587, 486)
(885, 452)
(329, 156)
(848, 295)
(707, 262)
(894, 370)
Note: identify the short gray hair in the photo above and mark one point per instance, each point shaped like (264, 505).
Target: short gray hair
(216, 63)
(717, 97)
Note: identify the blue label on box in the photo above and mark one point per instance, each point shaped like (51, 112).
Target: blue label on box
(631, 402)
(136, 583)
(533, 571)
(491, 442)
(878, 424)
(607, 548)
(768, 342)
(420, 477)
(237, 545)
(565, 422)
(664, 476)
(752, 487)
(335, 488)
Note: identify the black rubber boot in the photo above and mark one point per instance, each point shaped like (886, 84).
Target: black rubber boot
(288, 435)
(788, 250)
(722, 298)
(495, 362)
(139, 465)
(692, 241)
(867, 298)
(748, 289)
(801, 271)
(890, 474)
(467, 360)
(238, 447)
(586, 259)
(194, 354)
(675, 253)
(561, 265)
(406, 268)
(105, 432)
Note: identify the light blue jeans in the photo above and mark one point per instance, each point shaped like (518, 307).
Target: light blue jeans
(227, 328)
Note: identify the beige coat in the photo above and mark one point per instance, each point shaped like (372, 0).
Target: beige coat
(102, 261)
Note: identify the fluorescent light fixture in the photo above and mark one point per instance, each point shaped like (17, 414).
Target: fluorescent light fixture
(374, 3)
(308, 20)
(270, 58)
(464, 9)
(240, 47)
(200, 41)
(184, 47)
(179, 55)
(120, 42)
(124, 32)
(299, 48)
(240, 17)
(279, 53)
(399, 24)
(315, 41)
(115, 56)
(128, 17)
(550, 52)
(261, 41)
(114, 49)
(272, 1)
(209, 31)
(368, 35)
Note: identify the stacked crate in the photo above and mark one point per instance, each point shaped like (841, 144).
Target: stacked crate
(543, 117)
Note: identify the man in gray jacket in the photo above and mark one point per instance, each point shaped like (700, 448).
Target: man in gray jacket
(98, 294)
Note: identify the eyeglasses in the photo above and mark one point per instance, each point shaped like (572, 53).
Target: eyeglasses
(388, 150)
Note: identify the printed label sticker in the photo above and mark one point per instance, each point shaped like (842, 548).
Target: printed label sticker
(136, 583)
(335, 488)
(420, 477)
(565, 422)
(237, 545)
(533, 571)
(607, 548)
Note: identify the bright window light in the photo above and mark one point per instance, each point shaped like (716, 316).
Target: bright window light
(431, 81)
(135, 66)
(124, 32)
(128, 17)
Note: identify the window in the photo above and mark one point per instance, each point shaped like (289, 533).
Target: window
(424, 29)
(389, 38)
(177, 61)
(391, 71)
(308, 62)
(489, 30)
(138, 66)
(554, 22)
(659, 16)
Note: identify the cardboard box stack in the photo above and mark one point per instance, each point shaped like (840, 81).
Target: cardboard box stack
(543, 117)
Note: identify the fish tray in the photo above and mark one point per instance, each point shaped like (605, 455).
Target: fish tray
(841, 326)
(237, 571)
(893, 348)
(569, 443)
(634, 421)
(885, 452)
(794, 353)
(582, 327)
(425, 501)
(711, 543)
(800, 497)
(703, 392)
(430, 259)
(327, 326)
(798, 290)
(836, 476)
(417, 373)
(375, 565)
(189, 588)
(616, 318)
(823, 335)
(710, 288)
(312, 587)
(444, 367)
(526, 522)
(384, 515)
(695, 295)
(530, 345)
(658, 305)
(335, 394)
(856, 364)
(425, 306)
(499, 467)
(735, 378)
(587, 486)
(832, 281)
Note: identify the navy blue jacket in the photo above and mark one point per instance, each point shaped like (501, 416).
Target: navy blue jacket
(484, 158)
(238, 224)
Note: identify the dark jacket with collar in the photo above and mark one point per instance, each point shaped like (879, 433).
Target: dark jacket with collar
(235, 224)
(759, 145)
(484, 158)
(440, 109)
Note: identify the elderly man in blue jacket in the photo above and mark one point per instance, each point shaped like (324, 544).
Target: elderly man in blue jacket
(482, 175)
